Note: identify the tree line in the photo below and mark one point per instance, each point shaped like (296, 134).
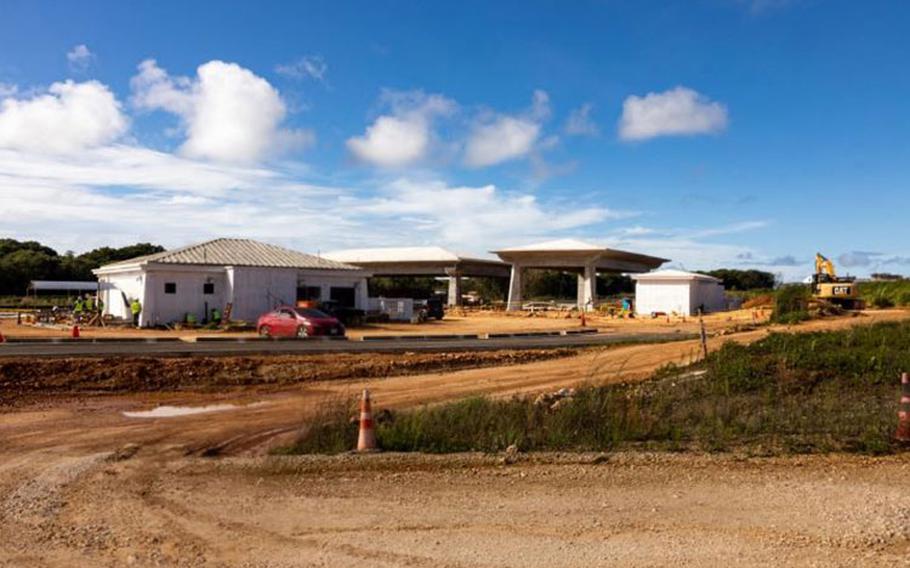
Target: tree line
(742, 280)
(24, 261)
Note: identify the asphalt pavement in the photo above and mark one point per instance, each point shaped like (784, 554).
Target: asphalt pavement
(255, 346)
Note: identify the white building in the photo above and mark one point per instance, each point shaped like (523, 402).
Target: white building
(677, 291)
(249, 276)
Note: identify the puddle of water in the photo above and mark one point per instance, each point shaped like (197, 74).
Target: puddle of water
(171, 411)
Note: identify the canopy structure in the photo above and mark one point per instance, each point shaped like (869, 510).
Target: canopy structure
(575, 256)
(422, 261)
(62, 286)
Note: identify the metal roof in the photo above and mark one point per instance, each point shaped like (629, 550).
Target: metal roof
(62, 285)
(673, 274)
(237, 252)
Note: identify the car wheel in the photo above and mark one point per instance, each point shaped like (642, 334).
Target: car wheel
(302, 331)
(264, 331)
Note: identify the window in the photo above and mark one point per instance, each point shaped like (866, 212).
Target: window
(208, 288)
(309, 293)
(170, 287)
(346, 297)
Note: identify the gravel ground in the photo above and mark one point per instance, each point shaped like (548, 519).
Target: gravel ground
(463, 510)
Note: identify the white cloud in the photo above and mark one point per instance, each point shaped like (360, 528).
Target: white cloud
(80, 57)
(404, 136)
(229, 113)
(679, 111)
(499, 138)
(120, 193)
(67, 118)
(8, 90)
(580, 123)
(470, 218)
(307, 67)
(503, 139)
(540, 105)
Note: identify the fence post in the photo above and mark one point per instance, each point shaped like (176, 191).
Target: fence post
(704, 336)
(903, 411)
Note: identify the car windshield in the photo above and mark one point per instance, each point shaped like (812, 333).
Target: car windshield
(311, 313)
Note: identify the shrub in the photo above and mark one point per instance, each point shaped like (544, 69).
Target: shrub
(882, 301)
(879, 294)
(804, 392)
(791, 304)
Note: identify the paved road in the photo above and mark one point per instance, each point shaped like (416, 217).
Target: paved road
(256, 347)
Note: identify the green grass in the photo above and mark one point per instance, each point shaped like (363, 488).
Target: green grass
(791, 304)
(790, 393)
(26, 302)
(886, 294)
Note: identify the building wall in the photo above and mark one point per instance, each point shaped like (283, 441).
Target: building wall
(189, 297)
(258, 290)
(663, 296)
(251, 291)
(683, 297)
(325, 280)
(114, 287)
(710, 295)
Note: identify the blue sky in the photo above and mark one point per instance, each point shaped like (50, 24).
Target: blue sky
(717, 132)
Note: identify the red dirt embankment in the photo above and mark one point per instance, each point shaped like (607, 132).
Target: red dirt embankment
(29, 378)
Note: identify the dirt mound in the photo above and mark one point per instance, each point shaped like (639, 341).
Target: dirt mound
(760, 301)
(30, 377)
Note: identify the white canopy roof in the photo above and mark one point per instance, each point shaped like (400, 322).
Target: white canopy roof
(672, 274)
(398, 254)
(557, 245)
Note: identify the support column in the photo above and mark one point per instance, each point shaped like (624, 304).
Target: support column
(454, 296)
(515, 283)
(587, 288)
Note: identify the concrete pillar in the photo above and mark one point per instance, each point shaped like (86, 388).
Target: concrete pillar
(587, 288)
(362, 295)
(515, 283)
(454, 296)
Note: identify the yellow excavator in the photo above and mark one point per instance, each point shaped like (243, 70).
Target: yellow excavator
(828, 287)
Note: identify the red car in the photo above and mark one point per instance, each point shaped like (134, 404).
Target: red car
(298, 322)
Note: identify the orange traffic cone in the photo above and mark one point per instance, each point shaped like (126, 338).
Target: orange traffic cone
(75, 332)
(903, 411)
(366, 441)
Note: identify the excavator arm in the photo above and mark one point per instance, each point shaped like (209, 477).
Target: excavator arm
(824, 266)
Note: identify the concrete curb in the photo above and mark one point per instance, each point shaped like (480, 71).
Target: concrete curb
(263, 339)
(586, 331)
(419, 337)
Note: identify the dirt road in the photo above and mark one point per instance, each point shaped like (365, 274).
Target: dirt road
(83, 484)
(460, 511)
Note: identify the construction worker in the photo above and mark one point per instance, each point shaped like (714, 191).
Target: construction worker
(100, 305)
(78, 307)
(89, 303)
(136, 309)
